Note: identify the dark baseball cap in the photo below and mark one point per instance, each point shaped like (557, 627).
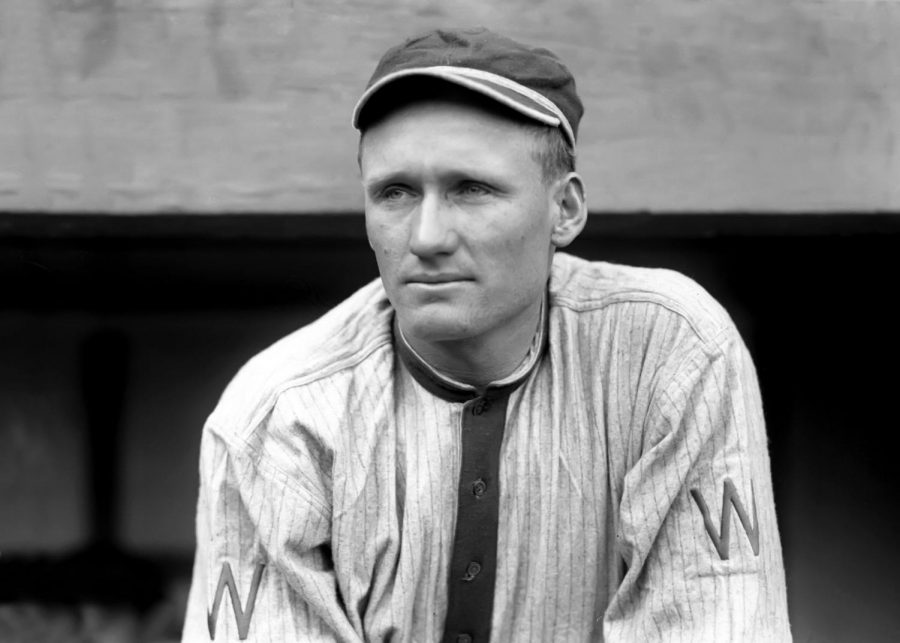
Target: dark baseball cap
(531, 81)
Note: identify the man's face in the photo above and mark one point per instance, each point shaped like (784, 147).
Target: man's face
(459, 218)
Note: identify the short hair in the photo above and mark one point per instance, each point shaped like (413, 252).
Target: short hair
(551, 149)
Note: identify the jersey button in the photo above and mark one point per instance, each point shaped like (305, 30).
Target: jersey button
(481, 406)
(479, 487)
(463, 638)
(472, 570)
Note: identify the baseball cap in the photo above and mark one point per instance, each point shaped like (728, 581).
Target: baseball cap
(531, 81)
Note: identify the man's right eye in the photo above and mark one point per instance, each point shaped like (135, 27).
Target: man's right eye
(394, 193)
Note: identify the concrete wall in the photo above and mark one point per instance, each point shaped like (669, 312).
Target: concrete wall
(243, 105)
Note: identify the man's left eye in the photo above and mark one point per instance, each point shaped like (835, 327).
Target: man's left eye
(473, 189)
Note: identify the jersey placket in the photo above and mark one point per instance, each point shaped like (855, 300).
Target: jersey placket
(473, 566)
(473, 562)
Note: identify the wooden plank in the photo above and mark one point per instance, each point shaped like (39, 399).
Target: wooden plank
(133, 106)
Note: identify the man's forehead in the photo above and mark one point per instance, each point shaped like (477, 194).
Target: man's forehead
(446, 142)
(432, 130)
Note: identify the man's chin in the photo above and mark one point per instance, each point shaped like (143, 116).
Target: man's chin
(435, 325)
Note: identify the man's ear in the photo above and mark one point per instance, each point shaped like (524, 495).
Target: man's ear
(571, 210)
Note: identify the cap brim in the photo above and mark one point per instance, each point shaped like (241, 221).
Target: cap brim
(517, 97)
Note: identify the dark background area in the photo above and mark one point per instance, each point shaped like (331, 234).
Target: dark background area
(119, 333)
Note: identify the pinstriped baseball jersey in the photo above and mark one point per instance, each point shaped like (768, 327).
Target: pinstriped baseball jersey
(634, 493)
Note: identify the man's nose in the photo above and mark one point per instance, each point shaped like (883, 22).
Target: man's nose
(432, 231)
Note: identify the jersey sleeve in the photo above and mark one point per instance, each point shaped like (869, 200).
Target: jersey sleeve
(262, 568)
(696, 527)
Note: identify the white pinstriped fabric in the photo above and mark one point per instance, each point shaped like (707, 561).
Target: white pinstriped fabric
(329, 464)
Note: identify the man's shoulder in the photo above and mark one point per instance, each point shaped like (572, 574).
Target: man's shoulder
(337, 342)
(583, 286)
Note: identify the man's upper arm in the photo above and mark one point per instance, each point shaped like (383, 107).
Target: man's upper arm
(262, 570)
(697, 525)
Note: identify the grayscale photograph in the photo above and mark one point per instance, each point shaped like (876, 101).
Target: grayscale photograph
(479, 322)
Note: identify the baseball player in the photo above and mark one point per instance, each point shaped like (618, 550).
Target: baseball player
(495, 441)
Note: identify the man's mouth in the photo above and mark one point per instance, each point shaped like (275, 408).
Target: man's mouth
(436, 278)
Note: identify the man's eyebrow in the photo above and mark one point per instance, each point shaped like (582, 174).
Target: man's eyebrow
(455, 172)
(378, 181)
(491, 179)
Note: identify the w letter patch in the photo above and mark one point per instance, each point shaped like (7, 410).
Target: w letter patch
(241, 614)
(722, 538)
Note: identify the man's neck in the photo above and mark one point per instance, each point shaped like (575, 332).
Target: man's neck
(479, 361)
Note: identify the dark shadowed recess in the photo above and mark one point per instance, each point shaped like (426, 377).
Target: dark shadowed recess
(813, 294)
